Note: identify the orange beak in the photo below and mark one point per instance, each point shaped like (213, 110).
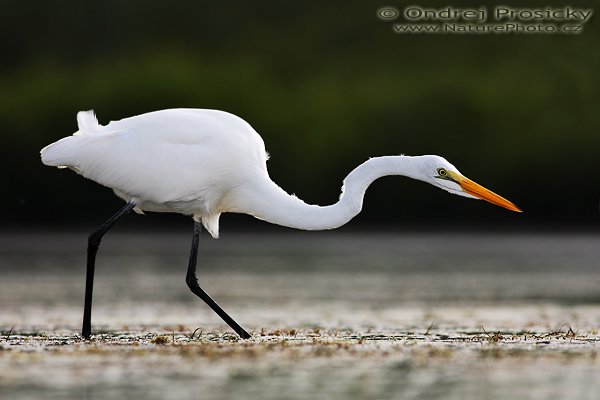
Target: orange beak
(479, 191)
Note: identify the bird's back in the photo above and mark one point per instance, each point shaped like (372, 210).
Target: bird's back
(164, 157)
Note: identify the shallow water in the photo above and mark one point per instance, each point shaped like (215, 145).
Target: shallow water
(333, 316)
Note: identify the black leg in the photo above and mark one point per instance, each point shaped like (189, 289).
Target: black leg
(192, 282)
(93, 244)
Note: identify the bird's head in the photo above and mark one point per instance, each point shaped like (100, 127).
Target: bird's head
(439, 172)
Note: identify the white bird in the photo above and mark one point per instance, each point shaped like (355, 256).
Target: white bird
(203, 163)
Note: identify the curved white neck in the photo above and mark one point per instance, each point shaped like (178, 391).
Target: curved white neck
(267, 201)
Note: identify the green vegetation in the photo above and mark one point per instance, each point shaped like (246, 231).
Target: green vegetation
(327, 86)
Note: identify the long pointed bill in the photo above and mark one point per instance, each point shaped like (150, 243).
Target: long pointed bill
(479, 191)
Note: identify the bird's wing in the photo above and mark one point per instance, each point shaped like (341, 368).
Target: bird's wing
(164, 156)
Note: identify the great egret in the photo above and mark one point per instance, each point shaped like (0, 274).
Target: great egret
(206, 162)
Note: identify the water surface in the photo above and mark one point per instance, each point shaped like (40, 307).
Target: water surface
(333, 316)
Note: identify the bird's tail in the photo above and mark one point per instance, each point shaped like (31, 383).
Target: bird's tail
(63, 153)
(60, 154)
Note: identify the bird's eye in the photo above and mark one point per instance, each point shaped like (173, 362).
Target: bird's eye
(442, 172)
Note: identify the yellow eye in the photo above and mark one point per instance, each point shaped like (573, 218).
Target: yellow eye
(442, 172)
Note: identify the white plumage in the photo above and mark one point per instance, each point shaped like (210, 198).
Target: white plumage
(172, 160)
(206, 162)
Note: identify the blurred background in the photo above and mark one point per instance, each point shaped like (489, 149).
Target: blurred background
(327, 85)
